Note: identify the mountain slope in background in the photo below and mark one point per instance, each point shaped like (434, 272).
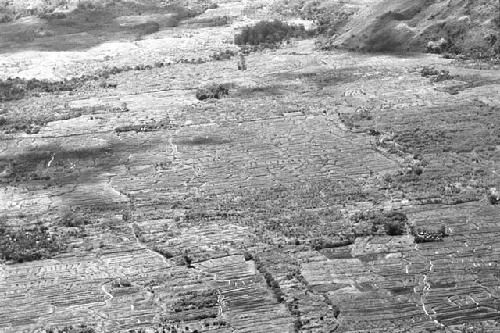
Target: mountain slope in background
(468, 26)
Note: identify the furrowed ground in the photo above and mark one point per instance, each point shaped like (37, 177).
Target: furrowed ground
(327, 192)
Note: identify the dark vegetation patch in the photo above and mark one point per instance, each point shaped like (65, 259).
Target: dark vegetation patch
(82, 328)
(15, 89)
(454, 37)
(271, 282)
(436, 75)
(219, 56)
(72, 219)
(92, 23)
(212, 91)
(357, 119)
(269, 33)
(29, 243)
(333, 243)
(390, 223)
(195, 305)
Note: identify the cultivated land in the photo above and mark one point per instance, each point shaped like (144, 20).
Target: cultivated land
(328, 192)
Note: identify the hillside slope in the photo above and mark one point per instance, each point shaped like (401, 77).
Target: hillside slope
(468, 26)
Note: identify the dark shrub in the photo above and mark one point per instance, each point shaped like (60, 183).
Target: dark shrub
(82, 328)
(429, 71)
(392, 223)
(394, 228)
(6, 18)
(268, 32)
(71, 220)
(11, 90)
(212, 91)
(15, 89)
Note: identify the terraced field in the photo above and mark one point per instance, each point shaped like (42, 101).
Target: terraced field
(328, 192)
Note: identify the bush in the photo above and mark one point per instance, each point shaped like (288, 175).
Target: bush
(72, 220)
(82, 328)
(10, 90)
(393, 223)
(15, 89)
(268, 32)
(6, 18)
(394, 228)
(212, 91)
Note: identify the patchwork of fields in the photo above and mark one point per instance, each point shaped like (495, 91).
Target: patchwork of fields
(328, 192)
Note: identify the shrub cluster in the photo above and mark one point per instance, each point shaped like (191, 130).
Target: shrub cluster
(391, 223)
(436, 75)
(224, 55)
(9, 91)
(269, 32)
(24, 245)
(82, 328)
(212, 91)
(6, 18)
(15, 89)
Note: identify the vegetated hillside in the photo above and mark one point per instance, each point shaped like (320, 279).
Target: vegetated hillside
(469, 26)
(67, 25)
